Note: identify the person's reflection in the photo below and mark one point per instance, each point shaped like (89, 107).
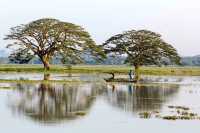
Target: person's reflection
(130, 89)
(113, 88)
(47, 102)
(136, 97)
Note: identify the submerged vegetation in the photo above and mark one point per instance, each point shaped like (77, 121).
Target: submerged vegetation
(145, 115)
(179, 113)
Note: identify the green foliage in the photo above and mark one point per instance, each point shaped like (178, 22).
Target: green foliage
(141, 47)
(48, 37)
(20, 56)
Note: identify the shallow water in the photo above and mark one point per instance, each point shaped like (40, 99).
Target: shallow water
(53, 76)
(98, 106)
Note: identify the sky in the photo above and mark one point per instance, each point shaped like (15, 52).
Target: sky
(178, 21)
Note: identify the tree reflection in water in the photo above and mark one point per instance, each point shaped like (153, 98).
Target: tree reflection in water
(53, 102)
(136, 98)
(47, 76)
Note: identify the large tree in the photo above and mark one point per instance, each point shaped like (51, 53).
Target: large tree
(50, 37)
(141, 47)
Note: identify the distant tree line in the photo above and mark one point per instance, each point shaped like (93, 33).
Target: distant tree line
(119, 60)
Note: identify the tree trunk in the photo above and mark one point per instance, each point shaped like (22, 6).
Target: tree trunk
(45, 61)
(137, 73)
(46, 65)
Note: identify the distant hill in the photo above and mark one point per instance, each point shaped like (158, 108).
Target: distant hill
(191, 61)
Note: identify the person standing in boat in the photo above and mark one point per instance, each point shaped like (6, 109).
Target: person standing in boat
(131, 74)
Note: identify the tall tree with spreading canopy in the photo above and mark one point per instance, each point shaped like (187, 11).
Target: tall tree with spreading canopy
(142, 47)
(50, 37)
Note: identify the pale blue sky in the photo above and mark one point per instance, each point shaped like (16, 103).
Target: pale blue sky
(177, 20)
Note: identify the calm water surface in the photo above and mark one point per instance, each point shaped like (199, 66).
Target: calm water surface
(96, 106)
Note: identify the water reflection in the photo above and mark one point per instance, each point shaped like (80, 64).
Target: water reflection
(136, 97)
(162, 79)
(47, 76)
(53, 102)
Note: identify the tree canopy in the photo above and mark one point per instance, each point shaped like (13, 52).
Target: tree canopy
(51, 37)
(142, 47)
(20, 57)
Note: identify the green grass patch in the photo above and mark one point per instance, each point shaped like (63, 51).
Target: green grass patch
(6, 88)
(118, 69)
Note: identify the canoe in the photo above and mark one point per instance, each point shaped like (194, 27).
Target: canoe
(121, 80)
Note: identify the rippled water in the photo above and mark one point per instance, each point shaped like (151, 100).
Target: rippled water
(97, 106)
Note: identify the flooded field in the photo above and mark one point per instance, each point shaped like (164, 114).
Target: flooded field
(161, 104)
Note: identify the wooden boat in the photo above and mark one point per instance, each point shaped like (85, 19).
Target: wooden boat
(121, 80)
